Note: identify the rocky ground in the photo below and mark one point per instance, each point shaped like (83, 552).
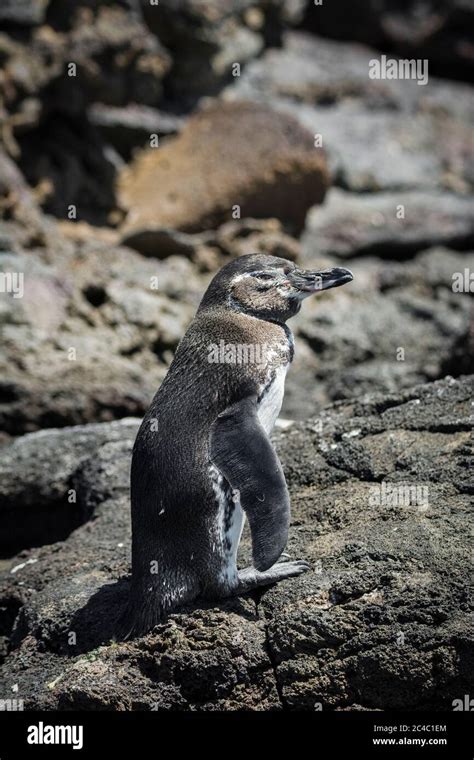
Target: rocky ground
(381, 621)
(126, 181)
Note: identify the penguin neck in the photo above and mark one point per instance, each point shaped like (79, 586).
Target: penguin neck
(274, 317)
(269, 319)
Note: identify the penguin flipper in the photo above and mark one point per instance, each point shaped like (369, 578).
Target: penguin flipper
(241, 450)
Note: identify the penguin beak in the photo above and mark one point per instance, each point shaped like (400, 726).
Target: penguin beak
(308, 281)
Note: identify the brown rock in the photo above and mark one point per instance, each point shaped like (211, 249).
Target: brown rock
(238, 238)
(228, 154)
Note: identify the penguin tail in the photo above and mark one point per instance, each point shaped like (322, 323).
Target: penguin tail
(141, 614)
(149, 605)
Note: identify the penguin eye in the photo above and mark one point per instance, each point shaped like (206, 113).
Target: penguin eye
(263, 275)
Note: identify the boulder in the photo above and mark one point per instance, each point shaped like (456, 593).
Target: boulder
(229, 155)
(388, 225)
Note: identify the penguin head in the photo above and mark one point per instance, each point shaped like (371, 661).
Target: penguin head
(268, 287)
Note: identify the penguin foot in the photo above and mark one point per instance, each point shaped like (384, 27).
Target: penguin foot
(250, 578)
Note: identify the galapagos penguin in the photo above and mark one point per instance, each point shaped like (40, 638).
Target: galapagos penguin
(203, 460)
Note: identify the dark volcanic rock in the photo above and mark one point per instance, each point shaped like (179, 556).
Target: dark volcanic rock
(439, 31)
(380, 492)
(40, 501)
(388, 225)
(207, 40)
(162, 242)
(23, 11)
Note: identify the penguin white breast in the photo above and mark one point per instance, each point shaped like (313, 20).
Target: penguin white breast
(272, 398)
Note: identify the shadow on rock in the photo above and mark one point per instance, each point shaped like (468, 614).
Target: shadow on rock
(95, 623)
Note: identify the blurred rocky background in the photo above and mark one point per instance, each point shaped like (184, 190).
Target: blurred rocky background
(143, 145)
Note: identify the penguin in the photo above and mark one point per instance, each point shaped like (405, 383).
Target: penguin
(203, 461)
